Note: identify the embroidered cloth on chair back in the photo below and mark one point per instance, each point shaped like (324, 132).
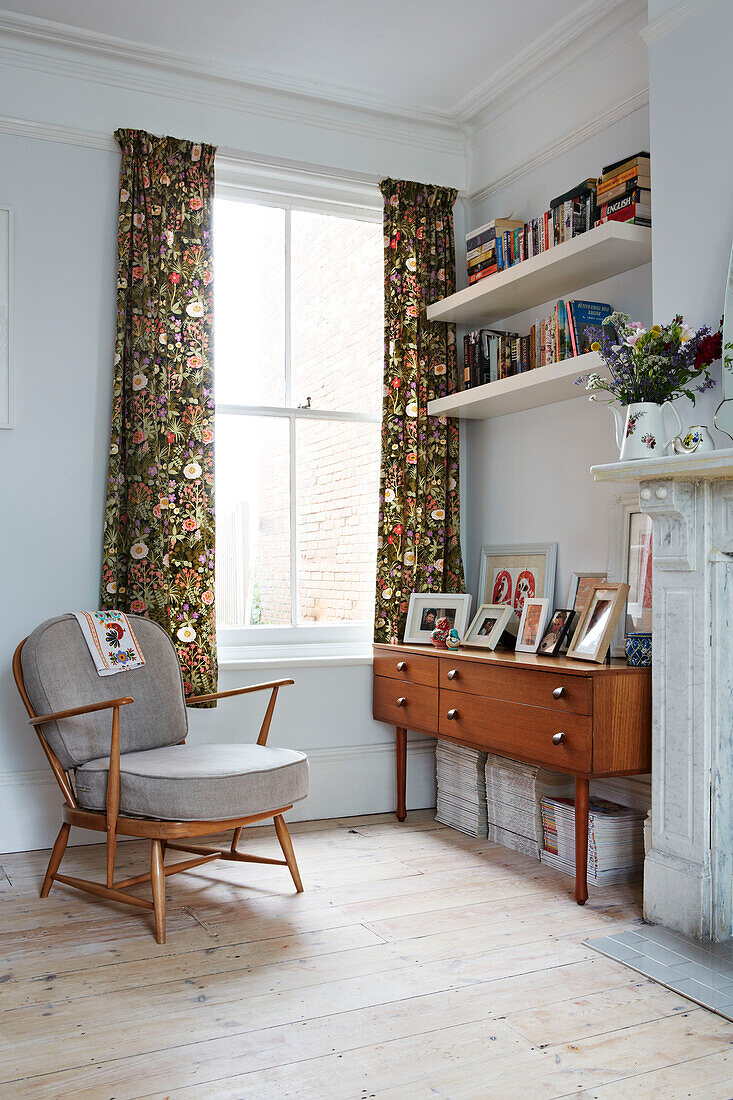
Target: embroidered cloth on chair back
(59, 674)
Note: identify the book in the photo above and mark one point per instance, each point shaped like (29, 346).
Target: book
(588, 318)
(627, 212)
(488, 232)
(636, 183)
(626, 162)
(582, 188)
(644, 180)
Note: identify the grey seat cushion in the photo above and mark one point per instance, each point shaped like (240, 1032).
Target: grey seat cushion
(59, 674)
(198, 782)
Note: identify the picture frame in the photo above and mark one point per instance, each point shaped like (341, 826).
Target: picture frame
(630, 560)
(426, 608)
(596, 626)
(532, 624)
(510, 574)
(559, 628)
(6, 316)
(488, 625)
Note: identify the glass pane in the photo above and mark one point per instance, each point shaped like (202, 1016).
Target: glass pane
(252, 521)
(337, 312)
(249, 303)
(337, 494)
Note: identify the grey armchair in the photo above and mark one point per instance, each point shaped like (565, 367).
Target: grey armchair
(133, 775)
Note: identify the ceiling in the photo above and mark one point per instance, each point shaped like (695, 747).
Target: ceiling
(405, 56)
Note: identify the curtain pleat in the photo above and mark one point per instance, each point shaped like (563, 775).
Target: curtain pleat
(159, 535)
(419, 539)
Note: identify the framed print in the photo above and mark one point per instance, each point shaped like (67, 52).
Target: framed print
(595, 628)
(581, 589)
(427, 607)
(630, 560)
(532, 624)
(558, 629)
(6, 287)
(511, 574)
(488, 625)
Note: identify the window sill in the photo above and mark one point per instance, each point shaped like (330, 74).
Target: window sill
(293, 656)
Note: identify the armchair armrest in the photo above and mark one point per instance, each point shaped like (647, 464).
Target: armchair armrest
(274, 685)
(88, 708)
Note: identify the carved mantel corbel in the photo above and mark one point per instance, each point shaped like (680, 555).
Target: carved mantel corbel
(671, 505)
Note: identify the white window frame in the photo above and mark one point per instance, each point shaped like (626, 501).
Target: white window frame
(316, 191)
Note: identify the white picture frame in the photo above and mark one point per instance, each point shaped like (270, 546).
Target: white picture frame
(477, 634)
(6, 316)
(532, 624)
(420, 624)
(624, 510)
(513, 563)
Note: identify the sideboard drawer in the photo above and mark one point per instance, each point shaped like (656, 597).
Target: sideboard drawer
(516, 684)
(412, 706)
(512, 729)
(412, 667)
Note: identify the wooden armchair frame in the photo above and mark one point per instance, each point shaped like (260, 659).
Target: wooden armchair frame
(162, 834)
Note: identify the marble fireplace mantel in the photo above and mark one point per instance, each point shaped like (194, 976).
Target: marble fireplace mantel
(688, 872)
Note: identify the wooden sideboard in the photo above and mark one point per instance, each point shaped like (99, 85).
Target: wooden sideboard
(573, 716)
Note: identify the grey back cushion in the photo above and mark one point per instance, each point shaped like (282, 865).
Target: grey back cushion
(59, 673)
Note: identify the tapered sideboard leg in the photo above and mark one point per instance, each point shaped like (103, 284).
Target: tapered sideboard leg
(401, 761)
(581, 840)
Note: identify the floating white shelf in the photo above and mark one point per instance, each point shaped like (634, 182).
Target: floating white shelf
(607, 250)
(542, 386)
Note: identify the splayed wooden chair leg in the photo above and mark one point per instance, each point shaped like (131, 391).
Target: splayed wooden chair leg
(57, 855)
(287, 846)
(235, 838)
(157, 879)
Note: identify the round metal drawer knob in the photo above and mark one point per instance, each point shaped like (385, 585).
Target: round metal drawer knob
(559, 739)
(451, 715)
(401, 666)
(402, 702)
(558, 693)
(453, 674)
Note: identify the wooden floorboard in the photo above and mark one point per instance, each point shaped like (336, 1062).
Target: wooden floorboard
(418, 963)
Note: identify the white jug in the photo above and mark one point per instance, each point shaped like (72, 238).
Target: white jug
(640, 431)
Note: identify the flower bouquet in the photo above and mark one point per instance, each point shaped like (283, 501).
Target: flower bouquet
(647, 370)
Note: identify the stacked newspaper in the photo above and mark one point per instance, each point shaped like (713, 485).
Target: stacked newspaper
(615, 839)
(513, 793)
(461, 793)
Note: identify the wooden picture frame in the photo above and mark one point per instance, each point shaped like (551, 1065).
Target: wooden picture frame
(427, 607)
(597, 624)
(532, 624)
(483, 635)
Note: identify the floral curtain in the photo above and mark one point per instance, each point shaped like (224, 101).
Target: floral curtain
(158, 557)
(419, 545)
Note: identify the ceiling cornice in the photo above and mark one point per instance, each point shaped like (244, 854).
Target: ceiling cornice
(672, 19)
(584, 28)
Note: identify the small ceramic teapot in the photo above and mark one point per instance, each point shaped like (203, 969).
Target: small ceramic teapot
(696, 438)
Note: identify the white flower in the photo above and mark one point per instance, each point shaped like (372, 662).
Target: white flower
(192, 470)
(633, 340)
(411, 263)
(186, 634)
(138, 220)
(686, 333)
(195, 309)
(389, 495)
(138, 550)
(111, 587)
(438, 513)
(411, 408)
(124, 195)
(386, 593)
(139, 381)
(439, 368)
(409, 557)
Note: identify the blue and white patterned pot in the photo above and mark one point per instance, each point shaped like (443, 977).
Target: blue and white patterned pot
(639, 649)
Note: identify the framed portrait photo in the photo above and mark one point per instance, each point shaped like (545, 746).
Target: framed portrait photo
(532, 625)
(426, 608)
(489, 623)
(557, 630)
(596, 625)
(511, 574)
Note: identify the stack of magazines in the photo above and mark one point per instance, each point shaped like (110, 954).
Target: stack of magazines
(513, 793)
(461, 792)
(615, 839)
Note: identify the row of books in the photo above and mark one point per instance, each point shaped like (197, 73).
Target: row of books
(615, 839)
(491, 354)
(622, 193)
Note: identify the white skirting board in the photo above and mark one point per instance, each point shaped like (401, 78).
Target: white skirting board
(345, 782)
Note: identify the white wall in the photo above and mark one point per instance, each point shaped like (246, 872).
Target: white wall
(62, 185)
